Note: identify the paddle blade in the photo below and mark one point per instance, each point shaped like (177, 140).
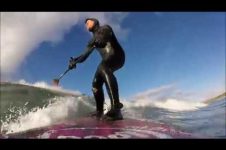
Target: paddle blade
(56, 82)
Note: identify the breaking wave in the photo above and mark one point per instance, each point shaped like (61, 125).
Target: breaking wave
(24, 108)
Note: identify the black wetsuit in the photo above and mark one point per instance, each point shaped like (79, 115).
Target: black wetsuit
(113, 58)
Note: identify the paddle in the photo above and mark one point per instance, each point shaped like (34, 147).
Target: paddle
(57, 80)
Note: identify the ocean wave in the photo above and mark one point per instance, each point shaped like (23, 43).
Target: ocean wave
(60, 109)
(32, 112)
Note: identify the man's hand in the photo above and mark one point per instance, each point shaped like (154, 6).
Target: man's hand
(72, 63)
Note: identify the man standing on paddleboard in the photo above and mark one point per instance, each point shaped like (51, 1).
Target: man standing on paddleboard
(113, 58)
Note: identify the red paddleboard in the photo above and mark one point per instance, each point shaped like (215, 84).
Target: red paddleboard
(89, 128)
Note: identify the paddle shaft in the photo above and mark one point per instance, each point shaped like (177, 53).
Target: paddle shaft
(63, 74)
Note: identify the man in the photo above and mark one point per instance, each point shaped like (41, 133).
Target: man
(113, 58)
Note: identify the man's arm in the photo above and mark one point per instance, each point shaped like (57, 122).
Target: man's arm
(89, 48)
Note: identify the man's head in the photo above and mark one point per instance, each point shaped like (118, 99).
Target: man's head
(91, 23)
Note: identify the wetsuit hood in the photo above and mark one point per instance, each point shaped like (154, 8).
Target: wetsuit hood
(96, 24)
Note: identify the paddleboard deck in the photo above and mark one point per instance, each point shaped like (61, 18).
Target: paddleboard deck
(89, 128)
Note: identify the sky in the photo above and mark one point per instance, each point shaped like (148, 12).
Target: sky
(183, 52)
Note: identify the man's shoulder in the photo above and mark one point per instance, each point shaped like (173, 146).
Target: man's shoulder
(106, 27)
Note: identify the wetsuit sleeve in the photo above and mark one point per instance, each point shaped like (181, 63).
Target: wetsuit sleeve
(89, 48)
(103, 36)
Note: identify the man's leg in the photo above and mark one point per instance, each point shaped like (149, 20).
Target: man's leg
(112, 89)
(97, 88)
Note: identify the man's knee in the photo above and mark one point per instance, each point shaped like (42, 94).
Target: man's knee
(95, 86)
(95, 90)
